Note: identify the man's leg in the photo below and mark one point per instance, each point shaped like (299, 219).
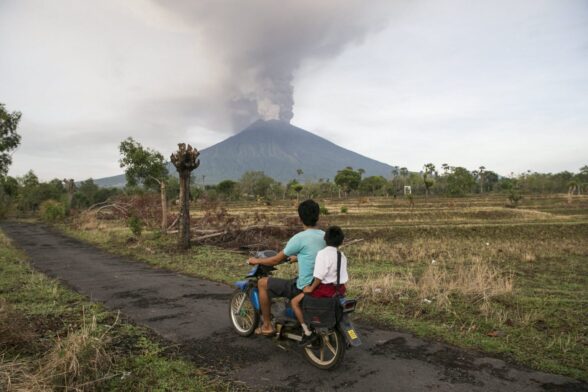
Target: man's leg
(266, 304)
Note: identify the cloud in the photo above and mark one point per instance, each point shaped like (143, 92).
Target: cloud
(404, 82)
(262, 43)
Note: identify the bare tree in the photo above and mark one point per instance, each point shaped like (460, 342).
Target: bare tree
(185, 160)
(70, 188)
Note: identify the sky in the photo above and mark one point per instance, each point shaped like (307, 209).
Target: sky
(503, 84)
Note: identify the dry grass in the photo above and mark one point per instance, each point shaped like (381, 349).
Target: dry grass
(451, 250)
(74, 363)
(17, 376)
(478, 281)
(77, 360)
(384, 289)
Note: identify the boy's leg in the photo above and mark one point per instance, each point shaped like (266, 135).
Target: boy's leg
(295, 302)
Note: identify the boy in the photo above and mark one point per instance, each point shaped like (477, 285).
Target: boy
(304, 246)
(325, 276)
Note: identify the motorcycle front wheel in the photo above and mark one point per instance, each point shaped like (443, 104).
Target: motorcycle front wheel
(327, 352)
(244, 317)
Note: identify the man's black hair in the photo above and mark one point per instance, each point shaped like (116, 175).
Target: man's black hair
(309, 212)
(334, 236)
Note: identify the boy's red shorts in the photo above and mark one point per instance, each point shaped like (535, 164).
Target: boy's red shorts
(327, 290)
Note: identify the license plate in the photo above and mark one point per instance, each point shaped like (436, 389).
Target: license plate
(352, 334)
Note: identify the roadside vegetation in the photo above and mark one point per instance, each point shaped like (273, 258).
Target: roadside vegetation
(54, 339)
(469, 271)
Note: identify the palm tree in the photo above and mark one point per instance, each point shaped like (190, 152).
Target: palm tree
(445, 167)
(482, 172)
(429, 171)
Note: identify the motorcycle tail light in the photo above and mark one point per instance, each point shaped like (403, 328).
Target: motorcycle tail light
(349, 305)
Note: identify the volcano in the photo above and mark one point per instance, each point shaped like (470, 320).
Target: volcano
(278, 149)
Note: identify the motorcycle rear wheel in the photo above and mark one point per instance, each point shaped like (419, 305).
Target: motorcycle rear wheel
(328, 352)
(244, 317)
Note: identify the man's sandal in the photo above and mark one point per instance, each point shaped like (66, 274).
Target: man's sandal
(259, 331)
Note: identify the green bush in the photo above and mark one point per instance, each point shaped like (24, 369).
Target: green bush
(52, 211)
(136, 225)
(514, 197)
(344, 210)
(324, 210)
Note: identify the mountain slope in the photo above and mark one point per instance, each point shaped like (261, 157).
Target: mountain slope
(278, 149)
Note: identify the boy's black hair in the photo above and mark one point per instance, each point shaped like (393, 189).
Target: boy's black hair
(334, 236)
(309, 212)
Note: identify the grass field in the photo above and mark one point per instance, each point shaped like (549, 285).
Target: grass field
(53, 339)
(469, 271)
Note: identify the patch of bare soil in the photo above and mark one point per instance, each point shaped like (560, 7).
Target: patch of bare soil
(15, 330)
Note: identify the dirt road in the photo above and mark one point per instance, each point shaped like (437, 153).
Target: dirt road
(194, 313)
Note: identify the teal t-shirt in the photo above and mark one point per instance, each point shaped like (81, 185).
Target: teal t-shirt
(305, 245)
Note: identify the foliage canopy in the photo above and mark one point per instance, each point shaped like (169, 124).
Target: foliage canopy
(9, 139)
(142, 165)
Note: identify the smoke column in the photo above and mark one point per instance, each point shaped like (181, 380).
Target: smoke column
(261, 43)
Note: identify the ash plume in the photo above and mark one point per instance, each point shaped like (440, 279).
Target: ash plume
(261, 44)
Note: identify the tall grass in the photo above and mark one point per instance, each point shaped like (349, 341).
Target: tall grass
(478, 281)
(73, 363)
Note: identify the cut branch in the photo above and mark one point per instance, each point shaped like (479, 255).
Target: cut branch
(204, 237)
(351, 242)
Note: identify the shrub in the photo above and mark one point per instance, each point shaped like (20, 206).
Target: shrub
(514, 197)
(136, 225)
(324, 211)
(344, 210)
(52, 211)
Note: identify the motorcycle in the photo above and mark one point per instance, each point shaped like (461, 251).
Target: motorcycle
(325, 351)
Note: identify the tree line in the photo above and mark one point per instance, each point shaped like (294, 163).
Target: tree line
(146, 171)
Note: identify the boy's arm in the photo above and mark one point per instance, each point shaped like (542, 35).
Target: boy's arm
(310, 288)
(319, 272)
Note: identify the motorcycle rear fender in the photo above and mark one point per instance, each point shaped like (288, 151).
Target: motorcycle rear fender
(349, 331)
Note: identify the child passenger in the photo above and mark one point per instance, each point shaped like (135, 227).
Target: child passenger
(325, 276)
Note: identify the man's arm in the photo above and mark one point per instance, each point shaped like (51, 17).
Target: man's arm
(270, 261)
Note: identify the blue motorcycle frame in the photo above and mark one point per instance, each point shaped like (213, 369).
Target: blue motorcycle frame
(328, 348)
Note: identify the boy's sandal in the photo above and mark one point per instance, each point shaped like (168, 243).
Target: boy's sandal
(259, 331)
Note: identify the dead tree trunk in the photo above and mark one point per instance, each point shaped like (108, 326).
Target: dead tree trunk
(163, 206)
(70, 187)
(185, 160)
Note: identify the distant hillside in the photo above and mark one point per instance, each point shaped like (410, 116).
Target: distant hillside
(278, 149)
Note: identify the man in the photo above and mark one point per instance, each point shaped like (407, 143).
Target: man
(301, 248)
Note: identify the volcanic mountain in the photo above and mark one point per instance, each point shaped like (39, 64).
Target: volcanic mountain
(278, 149)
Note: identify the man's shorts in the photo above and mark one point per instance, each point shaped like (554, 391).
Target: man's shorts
(277, 287)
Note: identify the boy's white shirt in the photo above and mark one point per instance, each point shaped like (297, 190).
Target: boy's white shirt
(325, 266)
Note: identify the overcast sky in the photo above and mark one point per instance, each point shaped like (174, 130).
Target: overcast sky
(502, 84)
